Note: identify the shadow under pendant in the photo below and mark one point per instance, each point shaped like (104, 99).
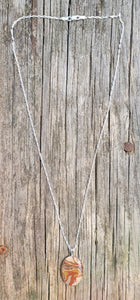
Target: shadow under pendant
(71, 270)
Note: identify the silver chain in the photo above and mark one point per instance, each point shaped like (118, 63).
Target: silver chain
(69, 19)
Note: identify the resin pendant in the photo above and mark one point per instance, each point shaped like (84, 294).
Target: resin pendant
(71, 270)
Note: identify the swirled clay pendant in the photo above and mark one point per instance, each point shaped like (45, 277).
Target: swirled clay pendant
(71, 270)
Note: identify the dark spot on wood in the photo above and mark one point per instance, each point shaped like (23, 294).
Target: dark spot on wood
(128, 147)
(4, 249)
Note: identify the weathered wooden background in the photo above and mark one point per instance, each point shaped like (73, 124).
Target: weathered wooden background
(67, 71)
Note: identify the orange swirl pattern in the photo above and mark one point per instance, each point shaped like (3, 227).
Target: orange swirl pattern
(72, 270)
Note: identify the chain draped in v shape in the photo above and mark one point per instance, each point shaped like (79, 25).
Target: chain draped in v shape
(68, 19)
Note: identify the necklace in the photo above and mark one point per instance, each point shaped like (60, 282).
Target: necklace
(71, 266)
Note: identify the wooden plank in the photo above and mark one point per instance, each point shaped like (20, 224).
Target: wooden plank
(67, 70)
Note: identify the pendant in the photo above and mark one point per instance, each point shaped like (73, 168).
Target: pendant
(71, 270)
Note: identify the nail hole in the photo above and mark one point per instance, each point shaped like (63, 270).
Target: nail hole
(128, 147)
(4, 249)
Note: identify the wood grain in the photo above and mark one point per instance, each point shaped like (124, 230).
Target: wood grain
(67, 70)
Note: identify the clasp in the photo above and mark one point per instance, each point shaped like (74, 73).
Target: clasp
(73, 18)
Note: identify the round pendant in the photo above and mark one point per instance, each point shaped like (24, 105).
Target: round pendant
(71, 270)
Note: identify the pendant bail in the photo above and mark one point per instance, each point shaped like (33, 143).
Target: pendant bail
(72, 253)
